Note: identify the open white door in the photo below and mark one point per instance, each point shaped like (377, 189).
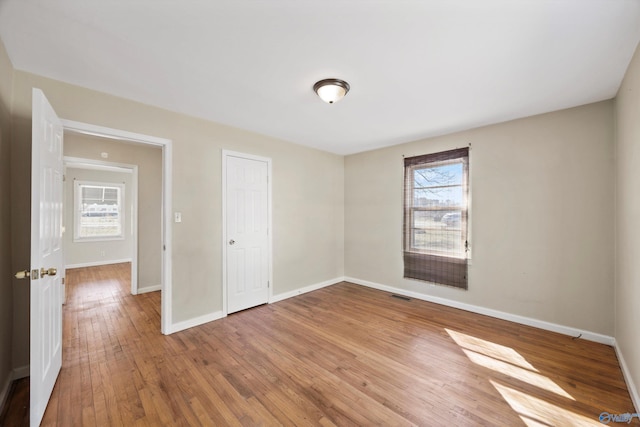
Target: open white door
(46, 255)
(247, 249)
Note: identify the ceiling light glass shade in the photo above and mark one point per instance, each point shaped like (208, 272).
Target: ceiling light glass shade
(331, 90)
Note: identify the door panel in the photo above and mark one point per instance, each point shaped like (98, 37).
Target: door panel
(46, 253)
(247, 248)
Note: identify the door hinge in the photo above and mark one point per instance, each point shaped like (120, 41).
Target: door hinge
(268, 284)
(164, 247)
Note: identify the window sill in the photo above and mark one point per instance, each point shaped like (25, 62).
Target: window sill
(97, 239)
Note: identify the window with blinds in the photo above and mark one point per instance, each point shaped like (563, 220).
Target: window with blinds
(98, 211)
(436, 216)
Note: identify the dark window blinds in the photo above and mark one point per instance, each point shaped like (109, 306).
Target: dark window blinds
(436, 217)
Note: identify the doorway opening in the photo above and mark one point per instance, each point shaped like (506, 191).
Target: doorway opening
(124, 137)
(100, 212)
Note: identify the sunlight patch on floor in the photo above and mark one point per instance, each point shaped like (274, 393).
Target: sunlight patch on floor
(537, 412)
(523, 375)
(496, 351)
(505, 360)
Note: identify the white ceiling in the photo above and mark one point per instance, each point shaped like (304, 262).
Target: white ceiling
(417, 68)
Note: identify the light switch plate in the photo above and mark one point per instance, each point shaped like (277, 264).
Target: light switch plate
(177, 216)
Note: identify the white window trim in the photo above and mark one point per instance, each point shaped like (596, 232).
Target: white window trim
(466, 254)
(76, 211)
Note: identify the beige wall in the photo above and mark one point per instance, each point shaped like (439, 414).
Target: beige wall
(308, 193)
(6, 271)
(149, 162)
(96, 252)
(627, 292)
(542, 217)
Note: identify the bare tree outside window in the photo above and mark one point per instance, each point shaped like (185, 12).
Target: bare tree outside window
(437, 208)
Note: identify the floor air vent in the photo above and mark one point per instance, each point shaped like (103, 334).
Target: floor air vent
(401, 297)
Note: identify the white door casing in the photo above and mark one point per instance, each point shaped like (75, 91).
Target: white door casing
(46, 253)
(246, 223)
(166, 145)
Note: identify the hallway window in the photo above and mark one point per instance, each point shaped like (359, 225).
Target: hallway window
(98, 213)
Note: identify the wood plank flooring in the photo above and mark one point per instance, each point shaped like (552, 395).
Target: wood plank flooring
(344, 355)
(16, 409)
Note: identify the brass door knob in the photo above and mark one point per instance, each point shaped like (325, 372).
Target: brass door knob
(48, 272)
(22, 274)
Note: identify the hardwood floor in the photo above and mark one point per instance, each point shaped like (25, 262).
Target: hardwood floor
(343, 355)
(16, 410)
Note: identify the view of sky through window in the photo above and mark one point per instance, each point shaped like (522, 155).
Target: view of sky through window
(438, 199)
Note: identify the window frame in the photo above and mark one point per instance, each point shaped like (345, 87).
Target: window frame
(77, 210)
(435, 266)
(463, 208)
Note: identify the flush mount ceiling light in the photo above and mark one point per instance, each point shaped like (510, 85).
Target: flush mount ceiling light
(331, 90)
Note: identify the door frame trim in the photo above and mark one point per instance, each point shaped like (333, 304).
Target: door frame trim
(225, 155)
(167, 184)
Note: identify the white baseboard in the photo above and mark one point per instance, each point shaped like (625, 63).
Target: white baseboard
(21, 372)
(566, 330)
(97, 263)
(149, 289)
(4, 392)
(314, 287)
(633, 391)
(15, 374)
(196, 321)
